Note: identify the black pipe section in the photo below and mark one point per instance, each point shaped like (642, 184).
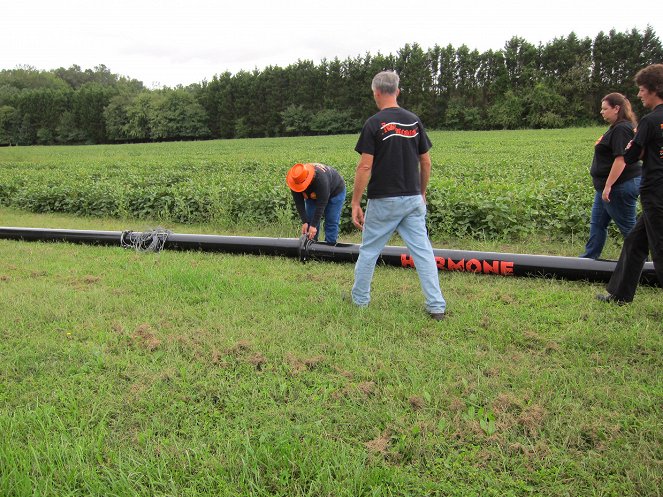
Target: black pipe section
(504, 264)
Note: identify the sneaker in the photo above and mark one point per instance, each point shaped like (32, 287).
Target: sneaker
(610, 298)
(437, 316)
(347, 298)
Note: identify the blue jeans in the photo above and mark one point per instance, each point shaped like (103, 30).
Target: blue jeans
(621, 209)
(407, 216)
(332, 215)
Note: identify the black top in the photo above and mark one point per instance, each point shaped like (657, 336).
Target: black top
(395, 138)
(327, 183)
(613, 144)
(649, 137)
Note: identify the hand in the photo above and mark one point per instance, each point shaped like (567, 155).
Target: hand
(358, 217)
(312, 231)
(606, 193)
(304, 228)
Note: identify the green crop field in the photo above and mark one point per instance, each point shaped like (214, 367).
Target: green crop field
(485, 185)
(209, 374)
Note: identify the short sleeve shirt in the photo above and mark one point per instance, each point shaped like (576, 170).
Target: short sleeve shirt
(649, 137)
(395, 137)
(612, 144)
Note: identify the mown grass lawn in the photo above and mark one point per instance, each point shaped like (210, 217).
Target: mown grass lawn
(185, 373)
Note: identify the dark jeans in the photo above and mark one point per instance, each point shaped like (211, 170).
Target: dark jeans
(621, 209)
(646, 236)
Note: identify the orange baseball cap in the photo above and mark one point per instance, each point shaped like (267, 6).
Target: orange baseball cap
(300, 176)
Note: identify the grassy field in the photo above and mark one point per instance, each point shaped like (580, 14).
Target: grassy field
(196, 374)
(184, 373)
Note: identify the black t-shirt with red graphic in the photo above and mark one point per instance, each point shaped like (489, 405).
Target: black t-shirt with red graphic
(395, 138)
(613, 144)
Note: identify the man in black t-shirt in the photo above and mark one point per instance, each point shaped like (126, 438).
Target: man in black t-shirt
(395, 166)
(647, 234)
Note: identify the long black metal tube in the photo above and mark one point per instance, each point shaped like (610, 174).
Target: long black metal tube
(571, 268)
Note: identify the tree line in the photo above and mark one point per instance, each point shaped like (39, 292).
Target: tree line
(552, 85)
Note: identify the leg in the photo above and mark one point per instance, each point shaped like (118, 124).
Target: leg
(598, 229)
(380, 222)
(333, 217)
(413, 231)
(626, 276)
(652, 210)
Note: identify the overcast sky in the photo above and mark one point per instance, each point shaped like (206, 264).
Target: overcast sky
(171, 42)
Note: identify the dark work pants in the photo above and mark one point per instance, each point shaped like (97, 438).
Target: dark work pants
(646, 236)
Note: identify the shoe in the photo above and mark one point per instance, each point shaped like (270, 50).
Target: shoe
(437, 316)
(347, 298)
(610, 298)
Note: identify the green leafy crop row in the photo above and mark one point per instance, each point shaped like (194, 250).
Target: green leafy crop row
(484, 184)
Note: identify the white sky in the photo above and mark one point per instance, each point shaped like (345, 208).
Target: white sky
(171, 42)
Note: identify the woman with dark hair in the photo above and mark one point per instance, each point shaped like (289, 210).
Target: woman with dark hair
(616, 183)
(647, 234)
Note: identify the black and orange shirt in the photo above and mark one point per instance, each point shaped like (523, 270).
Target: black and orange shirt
(327, 183)
(613, 144)
(649, 138)
(395, 138)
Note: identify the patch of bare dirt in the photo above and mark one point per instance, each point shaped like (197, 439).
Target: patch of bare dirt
(507, 299)
(416, 402)
(367, 388)
(258, 361)
(298, 365)
(506, 402)
(240, 348)
(218, 358)
(536, 452)
(343, 372)
(117, 328)
(313, 362)
(136, 389)
(145, 338)
(531, 419)
(379, 445)
(457, 405)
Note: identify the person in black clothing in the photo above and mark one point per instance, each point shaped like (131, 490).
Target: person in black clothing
(394, 167)
(317, 190)
(647, 234)
(617, 185)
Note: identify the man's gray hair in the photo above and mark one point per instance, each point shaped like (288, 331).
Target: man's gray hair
(386, 82)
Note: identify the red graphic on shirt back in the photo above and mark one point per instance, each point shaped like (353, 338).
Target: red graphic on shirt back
(399, 129)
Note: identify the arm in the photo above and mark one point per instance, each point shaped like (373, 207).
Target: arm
(362, 177)
(634, 153)
(299, 203)
(301, 209)
(617, 168)
(424, 172)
